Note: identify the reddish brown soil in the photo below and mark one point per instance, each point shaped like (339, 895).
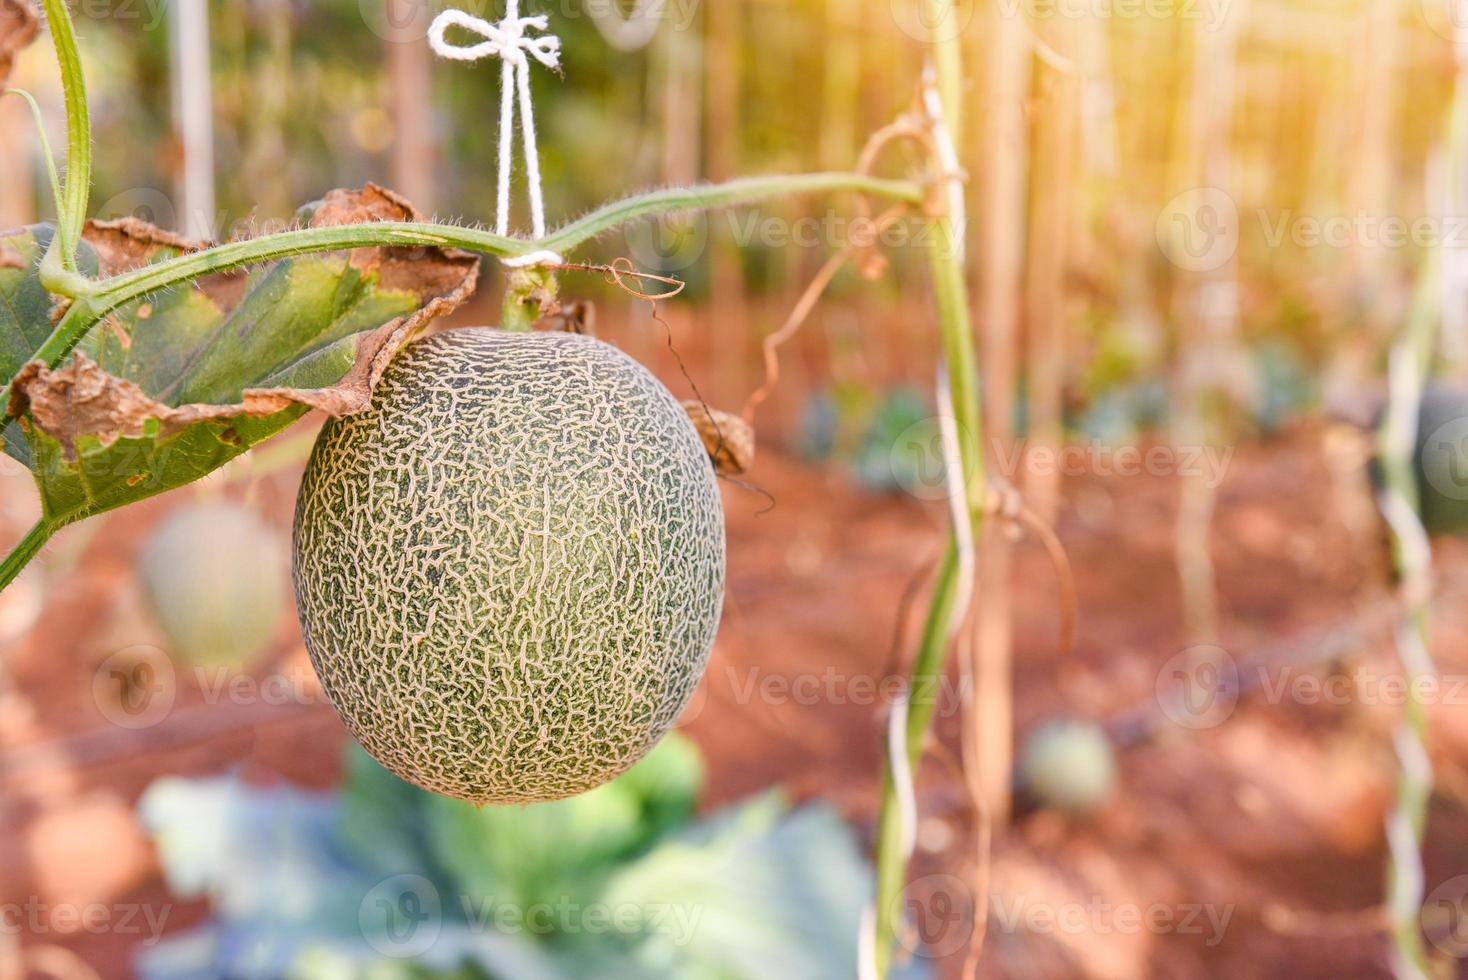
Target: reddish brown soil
(1273, 816)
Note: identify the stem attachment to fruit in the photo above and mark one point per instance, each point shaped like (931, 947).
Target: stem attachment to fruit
(101, 298)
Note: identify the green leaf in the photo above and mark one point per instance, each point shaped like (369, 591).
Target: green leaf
(757, 891)
(177, 384)
(536, 853)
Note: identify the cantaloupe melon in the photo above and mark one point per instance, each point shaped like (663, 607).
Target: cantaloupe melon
(1068, 765)
(510, 569)
(214, 576)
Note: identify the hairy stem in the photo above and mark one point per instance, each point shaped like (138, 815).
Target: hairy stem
(73, 206)
(744, 190)
(27, 548)
(40, 123)
(111, 294)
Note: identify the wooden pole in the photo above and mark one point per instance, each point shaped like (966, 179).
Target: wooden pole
(415, 146)
(1208, 298)
(193, 116)
(1003, 142)
(1054, 204)
(722, 46)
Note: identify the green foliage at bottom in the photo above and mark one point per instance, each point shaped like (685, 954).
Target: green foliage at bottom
(383, 881)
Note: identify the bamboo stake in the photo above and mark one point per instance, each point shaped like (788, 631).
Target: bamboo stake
(722, 49)
(414, 163)
(193, 114)
(1209, 314)
(1004, 143)
(1057, 123)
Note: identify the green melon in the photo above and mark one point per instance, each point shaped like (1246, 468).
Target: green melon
(510, 569)
(214, 577)
(1068, 765)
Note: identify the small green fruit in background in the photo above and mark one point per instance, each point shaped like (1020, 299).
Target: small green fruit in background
(1442, 458)
(510, 569)
(1068, 765)
(214, 577)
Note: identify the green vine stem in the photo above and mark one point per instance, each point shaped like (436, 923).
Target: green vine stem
(1408, 365)
(40, 123)
(950, 599)
(105, 296)
(22, 553)
(59, 266)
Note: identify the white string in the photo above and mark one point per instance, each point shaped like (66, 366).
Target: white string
(543, 257)
(510, 41)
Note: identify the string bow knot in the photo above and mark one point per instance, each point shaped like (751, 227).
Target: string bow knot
(512, 41)
(509, 39)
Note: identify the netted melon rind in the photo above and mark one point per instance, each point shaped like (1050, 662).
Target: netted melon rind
(509, 571)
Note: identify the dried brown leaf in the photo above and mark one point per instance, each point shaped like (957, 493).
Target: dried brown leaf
(125, 244)
(727, 437)
(81, 399)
